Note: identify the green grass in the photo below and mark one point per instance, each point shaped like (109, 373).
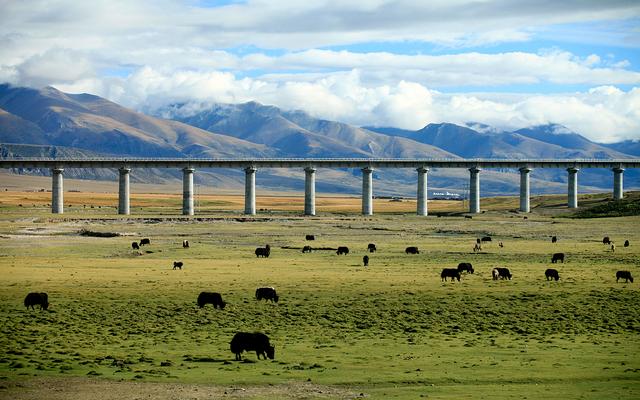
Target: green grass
(393, 330)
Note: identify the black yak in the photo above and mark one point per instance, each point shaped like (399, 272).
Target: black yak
(372, 248)
(39, 299)
(342, 250)
(211, 298)
(178, 264)
(267, 293)
(551, 273)
(263, 251)
(412, 250)
(145, 241)
(465, 267)
(258, 342)
(452, 273)
(135, 246)
(557, 257)
(626, 275)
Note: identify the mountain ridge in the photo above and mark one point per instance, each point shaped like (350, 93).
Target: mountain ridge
(55, 120)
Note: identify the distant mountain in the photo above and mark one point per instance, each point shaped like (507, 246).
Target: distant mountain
(296, 134)
(545, 141)
(50, 123)
(627, 146)
(48, 116)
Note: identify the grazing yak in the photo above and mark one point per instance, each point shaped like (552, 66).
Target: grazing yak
(306, 249)
(263, 251)
(626, 275)
(211, 298)
(452, 273)
(502, 273)
(145, 241)
(557, 257)
(310, 237)
(135, 246)
(365, 260)
(267, 293)
(411, 250)
(372, 248)
(342, 250)
(551, 273)
(554, 239)
(42, 300)
(606, 240)
(258, 342)
(626, 243)
(465, 267)
(185, 244)
(486, 239)
(178, 264)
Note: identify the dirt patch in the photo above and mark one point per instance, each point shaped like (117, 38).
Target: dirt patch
(95, 389)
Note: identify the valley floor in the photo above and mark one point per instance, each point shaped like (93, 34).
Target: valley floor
(123, 324)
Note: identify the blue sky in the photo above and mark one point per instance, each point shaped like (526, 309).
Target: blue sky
(507, 63)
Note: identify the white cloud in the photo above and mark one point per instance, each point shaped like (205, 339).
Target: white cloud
(604, 113)
(146, 54)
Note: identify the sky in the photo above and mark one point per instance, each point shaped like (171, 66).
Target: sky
(401, 63)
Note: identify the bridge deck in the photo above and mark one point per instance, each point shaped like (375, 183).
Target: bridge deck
(314, 162)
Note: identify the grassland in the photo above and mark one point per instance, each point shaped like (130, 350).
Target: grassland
(120, 318)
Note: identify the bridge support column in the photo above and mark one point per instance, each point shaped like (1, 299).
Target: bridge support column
(474, 190)
(187, 191)
(250, 190)
(367, 191)
(123, 191)
(525, 190)
(309, 191)
(572, 188)
(422, 191)
(57, 191)
(618, 190)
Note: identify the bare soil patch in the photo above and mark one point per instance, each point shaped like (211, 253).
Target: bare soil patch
(96, 389)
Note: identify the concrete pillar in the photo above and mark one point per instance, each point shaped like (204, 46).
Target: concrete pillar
(123, 191)
(422, 191)
(250, 190)
(525, 190)
(187, 191)
(367, 191)
(57, 191)
(309, 191)
(474, 190)
(618, 189)
(572, 188)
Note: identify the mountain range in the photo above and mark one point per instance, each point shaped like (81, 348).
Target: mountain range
(49, 123)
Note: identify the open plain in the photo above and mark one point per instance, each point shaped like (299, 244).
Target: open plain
(123, 324)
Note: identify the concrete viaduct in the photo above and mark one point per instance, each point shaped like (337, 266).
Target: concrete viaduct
(367, 166)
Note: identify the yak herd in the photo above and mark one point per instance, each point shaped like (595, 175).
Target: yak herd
(259, 342)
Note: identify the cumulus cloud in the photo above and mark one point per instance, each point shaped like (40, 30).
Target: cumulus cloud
(603, 113)
(147, 54)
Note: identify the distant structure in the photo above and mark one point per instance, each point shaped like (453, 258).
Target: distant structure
(310, 166)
